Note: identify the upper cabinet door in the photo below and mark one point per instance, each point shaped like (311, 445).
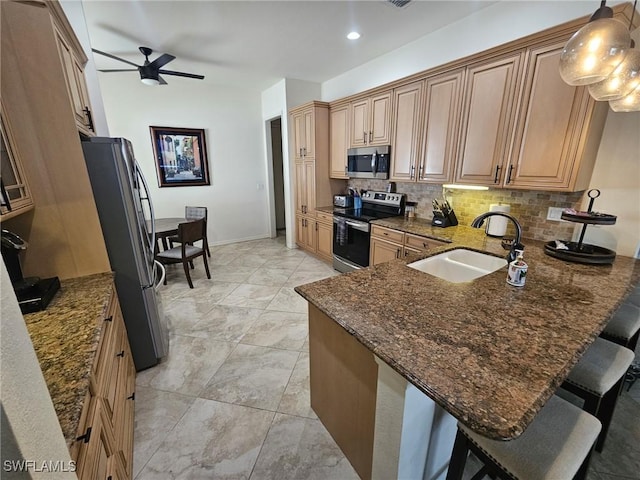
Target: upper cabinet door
(73, 70)
(441, 129)
(380, 119)
(371, 121)
(338, 141)
(490, 93)
(15, 194)
(360, 123)
(309, 134)
(405, 144)
(298, 135)
(548, 148)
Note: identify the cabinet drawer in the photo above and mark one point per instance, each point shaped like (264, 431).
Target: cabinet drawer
(387, 233)
(420, 243)
(324, 217)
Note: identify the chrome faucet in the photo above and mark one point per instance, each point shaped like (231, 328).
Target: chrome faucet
(515, 245)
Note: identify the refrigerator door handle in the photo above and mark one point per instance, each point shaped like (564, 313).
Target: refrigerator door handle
(151, 238)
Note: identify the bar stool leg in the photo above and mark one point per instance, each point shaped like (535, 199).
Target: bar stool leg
(458, 457)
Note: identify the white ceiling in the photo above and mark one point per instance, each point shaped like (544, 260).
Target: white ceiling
(253, 44)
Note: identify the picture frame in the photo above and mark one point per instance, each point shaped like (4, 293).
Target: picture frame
(180, 156)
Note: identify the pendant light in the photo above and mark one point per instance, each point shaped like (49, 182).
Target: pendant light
(594, 51)
(629, 103)
(626, 76)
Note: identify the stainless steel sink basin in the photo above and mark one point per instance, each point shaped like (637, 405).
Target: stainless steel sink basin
(459, 265)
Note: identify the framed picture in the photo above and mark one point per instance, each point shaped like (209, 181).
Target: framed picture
(181, 156)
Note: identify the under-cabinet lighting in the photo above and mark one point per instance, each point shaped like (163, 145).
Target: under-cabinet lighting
(465, 187)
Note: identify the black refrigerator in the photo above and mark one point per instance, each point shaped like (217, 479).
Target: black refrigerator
(125, 209)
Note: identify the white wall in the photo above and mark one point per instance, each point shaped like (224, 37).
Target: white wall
(34, 432)
(232, 119)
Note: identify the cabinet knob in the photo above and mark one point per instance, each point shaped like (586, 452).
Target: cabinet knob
(398, 253)
(132, 396)
(509, 174)
(495, 179)
(370, 136)
(87, 112)
(413, 171)
(364, 137)
(121, 354)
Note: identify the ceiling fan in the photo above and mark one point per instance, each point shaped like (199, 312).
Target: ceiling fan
(149, 71)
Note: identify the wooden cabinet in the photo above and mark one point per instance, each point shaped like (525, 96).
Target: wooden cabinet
(491, 91)
(339, 119)
(440, 132)
(388, 244)
(405, 143)
(304, 133)
(104, 444)
(73, 60)
(371, 120)
(313, 185)
(324, 235)
(558, 129)
(15, 196)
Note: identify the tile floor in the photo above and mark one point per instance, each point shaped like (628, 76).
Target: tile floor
(231, 401)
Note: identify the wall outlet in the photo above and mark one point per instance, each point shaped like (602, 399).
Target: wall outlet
(555, 213)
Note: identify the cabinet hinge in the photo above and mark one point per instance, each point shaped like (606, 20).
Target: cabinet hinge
(86, 436)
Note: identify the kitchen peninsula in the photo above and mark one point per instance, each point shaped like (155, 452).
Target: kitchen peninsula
(487, 353)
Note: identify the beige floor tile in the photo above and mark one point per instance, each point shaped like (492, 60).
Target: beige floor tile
(188, 367)
(270, 276)
(225, 323)
(300, 448)
(296, 399)
(213, 440)
(156, 413)
(252, 376)
(287, 300)
(301, 277)
(254, 296)
(232, 274)
(286, 330)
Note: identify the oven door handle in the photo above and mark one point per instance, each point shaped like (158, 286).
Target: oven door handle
(363, 227)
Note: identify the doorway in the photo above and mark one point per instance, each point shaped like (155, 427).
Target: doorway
(278, 175)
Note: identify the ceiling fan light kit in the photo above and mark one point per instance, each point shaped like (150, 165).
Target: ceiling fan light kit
(149, 71)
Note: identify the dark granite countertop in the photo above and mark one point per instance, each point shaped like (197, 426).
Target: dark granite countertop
(65, 337)
(488, 353)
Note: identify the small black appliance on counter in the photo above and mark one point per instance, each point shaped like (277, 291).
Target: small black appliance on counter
(33, 293)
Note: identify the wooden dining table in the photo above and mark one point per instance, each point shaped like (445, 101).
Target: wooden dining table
(165, 228)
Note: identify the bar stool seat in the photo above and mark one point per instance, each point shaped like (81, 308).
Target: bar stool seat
(624, 326)
(556, 445)
(597, 378)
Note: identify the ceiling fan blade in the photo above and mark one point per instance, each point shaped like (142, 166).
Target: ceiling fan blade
(161, 61)
(181, 74)
(161, 80)
(113, 56)
(120, 70)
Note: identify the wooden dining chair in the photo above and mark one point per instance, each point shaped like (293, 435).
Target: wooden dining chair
(188, 234)
(194, 213)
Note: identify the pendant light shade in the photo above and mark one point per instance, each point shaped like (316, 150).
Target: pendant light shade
(622, 81)
(594, 51)
(629, 103)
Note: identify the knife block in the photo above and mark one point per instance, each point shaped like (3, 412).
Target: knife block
(441, 219)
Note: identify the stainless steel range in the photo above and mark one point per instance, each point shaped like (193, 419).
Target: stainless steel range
(351, 228)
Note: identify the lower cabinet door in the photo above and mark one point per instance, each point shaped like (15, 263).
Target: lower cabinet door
(324, 240)
(382, 251)
(95, 453)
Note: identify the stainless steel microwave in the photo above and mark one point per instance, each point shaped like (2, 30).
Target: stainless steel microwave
(369, 162)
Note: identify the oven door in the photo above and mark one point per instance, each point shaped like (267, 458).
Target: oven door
(350, 243)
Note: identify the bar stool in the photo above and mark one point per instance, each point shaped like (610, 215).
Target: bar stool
(597, 378)
(556, 445)
(624, 326)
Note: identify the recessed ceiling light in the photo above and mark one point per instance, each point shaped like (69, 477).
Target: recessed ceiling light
(353, 36)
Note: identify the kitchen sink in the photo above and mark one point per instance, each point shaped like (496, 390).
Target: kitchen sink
(459, 265)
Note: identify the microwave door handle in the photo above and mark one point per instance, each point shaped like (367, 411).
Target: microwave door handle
(374, 163)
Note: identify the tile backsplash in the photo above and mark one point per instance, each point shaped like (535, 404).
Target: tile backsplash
(528, 206)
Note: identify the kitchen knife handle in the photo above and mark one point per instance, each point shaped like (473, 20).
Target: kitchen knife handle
(495, 179)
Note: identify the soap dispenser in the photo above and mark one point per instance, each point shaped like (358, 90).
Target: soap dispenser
(517, 272)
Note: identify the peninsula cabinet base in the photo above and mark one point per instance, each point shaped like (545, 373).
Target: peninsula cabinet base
(344, 375)
(385, 426)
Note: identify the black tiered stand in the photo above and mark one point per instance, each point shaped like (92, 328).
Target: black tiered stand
(583, 252)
